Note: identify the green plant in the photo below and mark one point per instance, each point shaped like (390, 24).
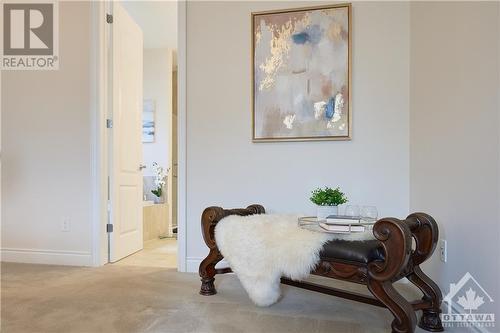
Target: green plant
(328, 197)
(160, 176)
(157, 192)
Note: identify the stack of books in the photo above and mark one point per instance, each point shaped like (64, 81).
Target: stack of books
(342, 224)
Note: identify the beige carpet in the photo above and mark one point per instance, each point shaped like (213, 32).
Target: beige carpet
(113, 298)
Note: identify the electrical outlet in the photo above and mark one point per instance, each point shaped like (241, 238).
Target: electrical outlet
(65, 225)
(443, 250)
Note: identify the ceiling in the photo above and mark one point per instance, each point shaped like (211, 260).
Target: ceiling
(158, 21)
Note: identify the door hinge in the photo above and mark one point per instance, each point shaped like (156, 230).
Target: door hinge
(109, 123)
(109, 227)
(109, 18)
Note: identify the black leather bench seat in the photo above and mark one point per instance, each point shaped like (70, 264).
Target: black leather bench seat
(357, 251)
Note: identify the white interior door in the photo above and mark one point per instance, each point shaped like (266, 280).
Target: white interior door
(126, 175)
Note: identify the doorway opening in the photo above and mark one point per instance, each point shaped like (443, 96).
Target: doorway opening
(142, 71)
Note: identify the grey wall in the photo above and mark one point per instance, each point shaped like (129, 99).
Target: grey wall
(46, 171)
(454, 127)
(225, 168)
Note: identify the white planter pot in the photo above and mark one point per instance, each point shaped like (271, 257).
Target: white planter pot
(324, 211)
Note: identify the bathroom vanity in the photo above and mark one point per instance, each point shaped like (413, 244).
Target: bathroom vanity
(155, 220)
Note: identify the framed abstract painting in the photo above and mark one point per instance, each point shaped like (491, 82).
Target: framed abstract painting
(301, 74)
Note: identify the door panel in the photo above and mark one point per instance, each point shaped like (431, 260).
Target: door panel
(126, 176)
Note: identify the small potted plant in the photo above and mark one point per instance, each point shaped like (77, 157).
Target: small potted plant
(160, 176)
(327, 201)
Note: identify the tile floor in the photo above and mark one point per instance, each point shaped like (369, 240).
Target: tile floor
(156, 253)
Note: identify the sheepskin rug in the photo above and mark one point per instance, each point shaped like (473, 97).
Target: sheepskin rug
(262, 248)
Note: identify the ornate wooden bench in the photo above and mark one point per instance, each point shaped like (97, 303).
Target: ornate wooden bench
(376, 263)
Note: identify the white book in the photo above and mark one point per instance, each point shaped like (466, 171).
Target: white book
(342, 219)
(346, 228)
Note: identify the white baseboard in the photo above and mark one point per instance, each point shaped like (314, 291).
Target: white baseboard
(193, 263)
(403, 281)
(48, 257)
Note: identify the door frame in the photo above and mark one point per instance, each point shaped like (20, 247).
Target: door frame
(100, 136)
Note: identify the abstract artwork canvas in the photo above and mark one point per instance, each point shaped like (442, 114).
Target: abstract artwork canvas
(148, 121)
(302, 74)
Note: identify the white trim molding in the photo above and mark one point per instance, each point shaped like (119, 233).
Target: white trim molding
(181, 136)
(100, 55)
(98, 134)
(193, 264)
(49, 257)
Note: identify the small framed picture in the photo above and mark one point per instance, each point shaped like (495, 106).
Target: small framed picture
(148, 121)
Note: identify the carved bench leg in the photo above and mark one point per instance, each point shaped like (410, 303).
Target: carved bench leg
(405, 320)
(207, 272)
(430, 320)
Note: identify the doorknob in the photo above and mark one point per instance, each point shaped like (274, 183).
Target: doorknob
(142, 166)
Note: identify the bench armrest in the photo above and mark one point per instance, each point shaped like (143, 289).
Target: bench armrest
(395, 236)
(425, 231)
(212, 215)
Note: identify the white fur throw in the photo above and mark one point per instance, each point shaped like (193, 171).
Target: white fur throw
(262, 248)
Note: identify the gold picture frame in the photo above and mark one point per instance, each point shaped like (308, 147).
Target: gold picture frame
(346, 113)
